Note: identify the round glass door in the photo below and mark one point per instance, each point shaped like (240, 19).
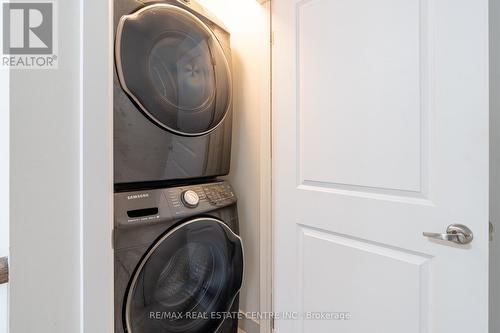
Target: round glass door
(187, 281)
(174, 69)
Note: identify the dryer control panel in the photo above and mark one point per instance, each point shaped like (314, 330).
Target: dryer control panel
(153, 206)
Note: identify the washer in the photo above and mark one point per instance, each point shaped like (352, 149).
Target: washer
(172, 93)
(178, 260)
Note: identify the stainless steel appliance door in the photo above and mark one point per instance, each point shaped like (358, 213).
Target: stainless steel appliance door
(187, 281)
(174, 69)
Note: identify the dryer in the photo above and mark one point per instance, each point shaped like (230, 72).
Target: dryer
(178, 260)
(172, 93)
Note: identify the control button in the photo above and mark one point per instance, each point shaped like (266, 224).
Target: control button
(190, 198)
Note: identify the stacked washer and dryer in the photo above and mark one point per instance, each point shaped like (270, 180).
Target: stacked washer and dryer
(178, 256)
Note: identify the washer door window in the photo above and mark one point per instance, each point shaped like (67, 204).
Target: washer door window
(174, 68)
(188, 281)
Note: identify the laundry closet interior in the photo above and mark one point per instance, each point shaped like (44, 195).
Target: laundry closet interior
(191, 164)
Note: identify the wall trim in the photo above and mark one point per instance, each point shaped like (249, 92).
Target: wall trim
(266, 221)
(494, 300)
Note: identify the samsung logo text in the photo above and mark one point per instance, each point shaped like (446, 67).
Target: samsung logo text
(138, 196)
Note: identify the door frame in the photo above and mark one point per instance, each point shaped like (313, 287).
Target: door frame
(266, 251)
(494, 164)
(96, 167)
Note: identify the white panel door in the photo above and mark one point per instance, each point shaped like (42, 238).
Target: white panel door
(380, 133)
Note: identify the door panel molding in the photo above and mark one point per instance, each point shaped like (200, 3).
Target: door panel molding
(407, 287)
(402, 154)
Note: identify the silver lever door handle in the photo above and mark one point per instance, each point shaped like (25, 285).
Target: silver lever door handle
(456, 233)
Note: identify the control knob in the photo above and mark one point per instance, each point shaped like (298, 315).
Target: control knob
(190, 198)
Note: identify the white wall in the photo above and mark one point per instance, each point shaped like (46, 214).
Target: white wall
(495, 164)
(44, 193)
(248, 22)
(250, 39)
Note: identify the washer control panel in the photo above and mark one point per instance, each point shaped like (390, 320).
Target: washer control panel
(154, 206)
(186, 199)
(218, 192)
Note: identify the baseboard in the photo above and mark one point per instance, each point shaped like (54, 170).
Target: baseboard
(249, 325)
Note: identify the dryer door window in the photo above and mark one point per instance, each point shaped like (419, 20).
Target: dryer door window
(187, 281)
(174, 68)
